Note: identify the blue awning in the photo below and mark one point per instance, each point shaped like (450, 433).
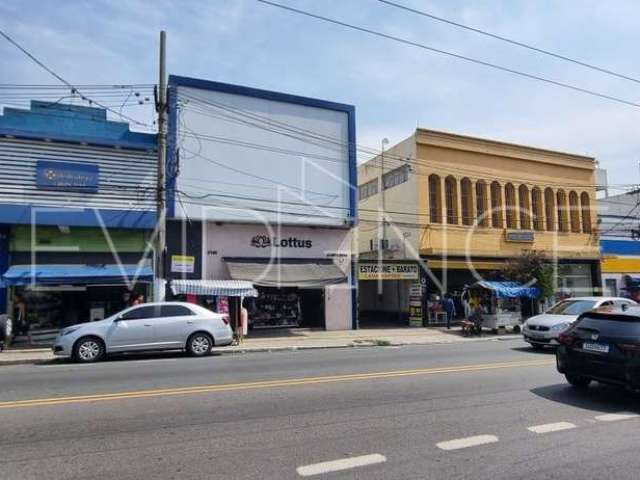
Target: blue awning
(76, 274)
(509, 289)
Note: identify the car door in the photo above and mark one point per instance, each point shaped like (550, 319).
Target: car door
(174, 325)
(133, 330)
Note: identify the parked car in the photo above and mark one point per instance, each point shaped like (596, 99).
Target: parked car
(544, 330)
(150, 326)
(602, 346)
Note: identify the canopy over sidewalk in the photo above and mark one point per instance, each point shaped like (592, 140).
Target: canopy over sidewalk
(508, 289)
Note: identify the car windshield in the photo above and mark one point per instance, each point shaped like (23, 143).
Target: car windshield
(572, 307)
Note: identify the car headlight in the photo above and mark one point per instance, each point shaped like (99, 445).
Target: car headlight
(560, 326)
(67, 331)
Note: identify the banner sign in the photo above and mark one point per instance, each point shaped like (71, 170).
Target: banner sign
(388, 271)
(67, 176)
(526, 236)
(182, 264)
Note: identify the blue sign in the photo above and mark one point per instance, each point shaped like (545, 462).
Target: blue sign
(67, 176)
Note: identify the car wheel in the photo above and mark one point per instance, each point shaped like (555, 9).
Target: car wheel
(516, 329)
(577, 381)
(88, 349)
(199, 344)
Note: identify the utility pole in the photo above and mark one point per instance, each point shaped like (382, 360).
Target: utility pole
(161, 212)
(382, 227)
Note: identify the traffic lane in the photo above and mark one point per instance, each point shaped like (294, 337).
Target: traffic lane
(176, 370)
(270, 431)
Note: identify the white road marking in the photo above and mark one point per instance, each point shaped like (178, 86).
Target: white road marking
(551, 427)
(467, 442)
(339, 465)
(614, 417)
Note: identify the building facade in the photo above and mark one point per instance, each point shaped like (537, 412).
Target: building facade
(262, 189)
(461, 207)
(77, 208)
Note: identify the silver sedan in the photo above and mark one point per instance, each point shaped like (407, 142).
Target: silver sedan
(150, 326)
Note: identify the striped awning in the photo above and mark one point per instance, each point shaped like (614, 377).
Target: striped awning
(227, 288)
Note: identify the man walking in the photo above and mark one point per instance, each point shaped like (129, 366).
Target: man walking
(450, 308)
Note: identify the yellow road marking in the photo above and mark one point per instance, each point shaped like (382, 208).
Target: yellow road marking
(227, 387)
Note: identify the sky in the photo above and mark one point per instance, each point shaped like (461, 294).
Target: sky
(394, 87)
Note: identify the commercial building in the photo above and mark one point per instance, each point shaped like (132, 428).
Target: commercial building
(460, 207)
(619, 246)
(77, 207)
(262, 189)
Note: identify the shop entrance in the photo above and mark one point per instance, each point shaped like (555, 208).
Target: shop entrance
(286, 307)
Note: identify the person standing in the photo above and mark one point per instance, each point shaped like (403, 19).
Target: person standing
(20, 315)
(450, 308)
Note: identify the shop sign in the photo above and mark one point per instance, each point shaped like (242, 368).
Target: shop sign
(415, 305)
(183, 264)
(388, 271)
(67, 176)
(265, 241)
(526, 236)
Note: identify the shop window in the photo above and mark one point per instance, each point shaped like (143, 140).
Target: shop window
(561, 200)
(368, 189)
(435, 205)
(451, 199)
(175, 311)
(525, 207)
(481, 204)
(586, 212)
(574, 212)
(536, 209)
(466, 202)
(395, 177)
(496, 205)
(510, 201)
(140, 313)
(550, 209)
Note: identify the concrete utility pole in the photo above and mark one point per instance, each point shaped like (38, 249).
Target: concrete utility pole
(159, 263)
(382, 227)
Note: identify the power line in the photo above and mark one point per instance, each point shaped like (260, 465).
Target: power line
(71, 86)
(451, 54)
(511, 41)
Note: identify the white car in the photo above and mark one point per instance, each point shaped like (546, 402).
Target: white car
(544, 329)
(150, 326)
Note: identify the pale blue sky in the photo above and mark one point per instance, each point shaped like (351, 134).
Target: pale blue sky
(394, 87)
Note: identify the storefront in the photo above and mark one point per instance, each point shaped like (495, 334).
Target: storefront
(302, 274)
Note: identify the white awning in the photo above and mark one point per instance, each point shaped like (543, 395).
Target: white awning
(227, 288)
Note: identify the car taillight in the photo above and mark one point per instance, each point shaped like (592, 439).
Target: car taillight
(225, 319)
(566, 339)
(633, 349)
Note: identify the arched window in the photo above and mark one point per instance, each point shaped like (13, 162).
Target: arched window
(550, 209)
(510, 204)
(496, 205)
(435, 199)
(574, 212)
(536, 209)
(585, 203)
(451, 199)
(481, 204)
(561, 202)
(466, 201)
(525, 207)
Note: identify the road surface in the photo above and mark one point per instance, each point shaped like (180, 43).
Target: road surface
(482, 410)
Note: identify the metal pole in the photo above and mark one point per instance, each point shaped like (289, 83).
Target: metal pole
(159, 290)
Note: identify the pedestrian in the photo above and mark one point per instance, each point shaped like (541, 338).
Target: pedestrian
(465, 298)
(20, 315)
(450, 308)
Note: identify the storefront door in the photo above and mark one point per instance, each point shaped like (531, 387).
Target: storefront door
(134, 330)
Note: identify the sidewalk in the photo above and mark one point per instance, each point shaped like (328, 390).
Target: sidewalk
(301, 339)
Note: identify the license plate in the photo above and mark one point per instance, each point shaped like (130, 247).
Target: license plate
(595, 347)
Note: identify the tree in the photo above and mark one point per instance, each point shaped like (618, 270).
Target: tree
(532, 268)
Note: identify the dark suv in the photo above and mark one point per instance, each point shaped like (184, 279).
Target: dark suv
(604, 347)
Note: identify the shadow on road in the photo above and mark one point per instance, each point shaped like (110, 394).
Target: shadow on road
(126, 357)
(598, 397)
(543, 351)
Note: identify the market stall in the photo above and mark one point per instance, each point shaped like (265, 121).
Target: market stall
(500, 303)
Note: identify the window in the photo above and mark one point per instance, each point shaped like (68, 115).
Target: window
(586, 212)
(550, 209)
(141, 313)
(496, 205)
(451, 200)
(481, 204)
(611, 287)
(510, 201)
(536, 209)
(525, 207)
(395, 177)
(571, 307)
(466, 201)
(175, 311)
(435, 202)
(561, 199)
(574, 212)
(368, 189)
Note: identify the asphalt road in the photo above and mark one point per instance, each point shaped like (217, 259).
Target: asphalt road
(490, 409)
